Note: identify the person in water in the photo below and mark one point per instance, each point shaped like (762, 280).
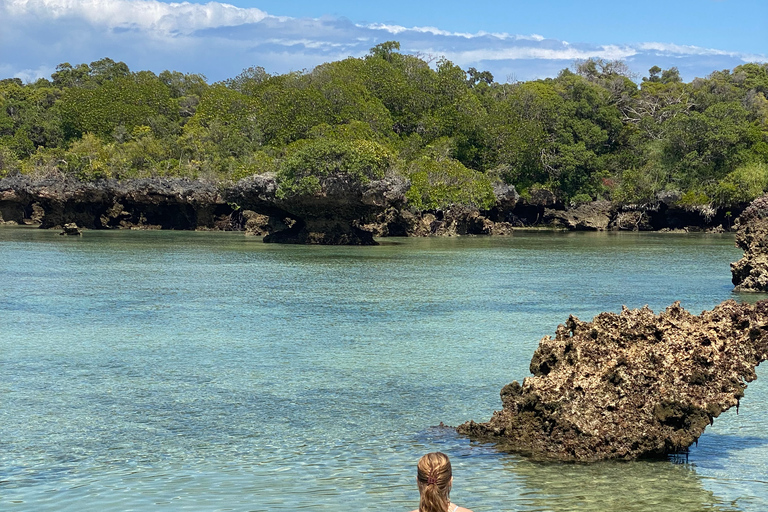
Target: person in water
(434, 479)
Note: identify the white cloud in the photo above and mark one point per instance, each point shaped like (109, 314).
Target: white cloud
(397, 29)
(687, 50)
(181, 18)
(219, 40)
(680, 49)
(528, 52)
(30, 75)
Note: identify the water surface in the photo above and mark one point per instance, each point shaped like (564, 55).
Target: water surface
(210, 371)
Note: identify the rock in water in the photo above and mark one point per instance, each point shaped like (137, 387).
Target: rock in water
(630, 385)
(71, 229)
(750, 273)
(331, 215)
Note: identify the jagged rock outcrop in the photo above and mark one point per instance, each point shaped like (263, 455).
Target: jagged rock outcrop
(159, 203)
(750, 273)
(343, 211)
(630, 385)
(335, 215)
(631, 220)
(594, 216)
(258, 224)
(455, 221)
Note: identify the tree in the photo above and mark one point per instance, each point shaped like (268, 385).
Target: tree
(309, 160)
(653, 75)
(68, 76)
(128, 102)
(384, 50)
(476, 77)
(440, 184)
(248, 80)
(107, 69)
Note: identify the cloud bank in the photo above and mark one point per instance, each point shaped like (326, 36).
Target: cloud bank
(219, 40)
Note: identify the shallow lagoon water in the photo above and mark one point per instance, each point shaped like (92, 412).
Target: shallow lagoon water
(210, 371)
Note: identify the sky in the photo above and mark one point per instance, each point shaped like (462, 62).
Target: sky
(514, 40)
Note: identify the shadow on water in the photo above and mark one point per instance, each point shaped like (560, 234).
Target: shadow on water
(718, 447)
(626, 486)
(489, 479)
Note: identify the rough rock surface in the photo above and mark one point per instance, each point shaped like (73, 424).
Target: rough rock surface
(343, 211)
(455, 221)
(160, 203)
(71, 229)
(335, 215)
(257, 224)
(750, 273)
(630, 385)
(631, 220)
(594, 216)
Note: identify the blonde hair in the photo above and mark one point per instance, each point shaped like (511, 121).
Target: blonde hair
(433, 475)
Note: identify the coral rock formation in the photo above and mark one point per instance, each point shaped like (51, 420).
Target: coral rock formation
(335, 215)
(593, 216)
(750, 273)
(630, 385)
(160, 203)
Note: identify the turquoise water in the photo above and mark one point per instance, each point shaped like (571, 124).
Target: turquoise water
(209, 371)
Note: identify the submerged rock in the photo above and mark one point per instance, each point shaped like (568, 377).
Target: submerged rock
(630, 385)
(750, 273)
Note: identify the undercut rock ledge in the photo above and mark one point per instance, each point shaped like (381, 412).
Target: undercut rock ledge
(630, 385)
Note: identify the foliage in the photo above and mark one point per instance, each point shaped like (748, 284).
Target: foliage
(308, 160)
(742, 185)
(124, 102)
(439, 184)
(589, 133)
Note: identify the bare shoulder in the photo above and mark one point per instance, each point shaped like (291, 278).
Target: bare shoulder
(459, 509)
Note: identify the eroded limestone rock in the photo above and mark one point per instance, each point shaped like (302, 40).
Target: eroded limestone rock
(750, 273)
(334, 215)
(594, 216)
(630, 385)
(168, 203)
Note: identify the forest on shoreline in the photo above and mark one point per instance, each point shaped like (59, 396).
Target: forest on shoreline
(591, 133)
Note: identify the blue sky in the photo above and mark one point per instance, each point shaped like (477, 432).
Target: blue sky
(512, 39)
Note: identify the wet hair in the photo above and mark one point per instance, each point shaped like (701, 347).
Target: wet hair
(433, 475)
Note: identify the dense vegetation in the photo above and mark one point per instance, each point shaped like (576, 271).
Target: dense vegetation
(589, 133)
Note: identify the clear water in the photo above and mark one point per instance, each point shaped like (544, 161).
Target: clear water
(209, 371)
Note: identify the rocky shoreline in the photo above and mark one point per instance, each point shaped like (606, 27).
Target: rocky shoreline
(342, 212)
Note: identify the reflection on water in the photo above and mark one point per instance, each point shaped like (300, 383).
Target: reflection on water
(209, 371)
(612, 486)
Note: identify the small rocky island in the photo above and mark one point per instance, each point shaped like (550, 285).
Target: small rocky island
(629, 385)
